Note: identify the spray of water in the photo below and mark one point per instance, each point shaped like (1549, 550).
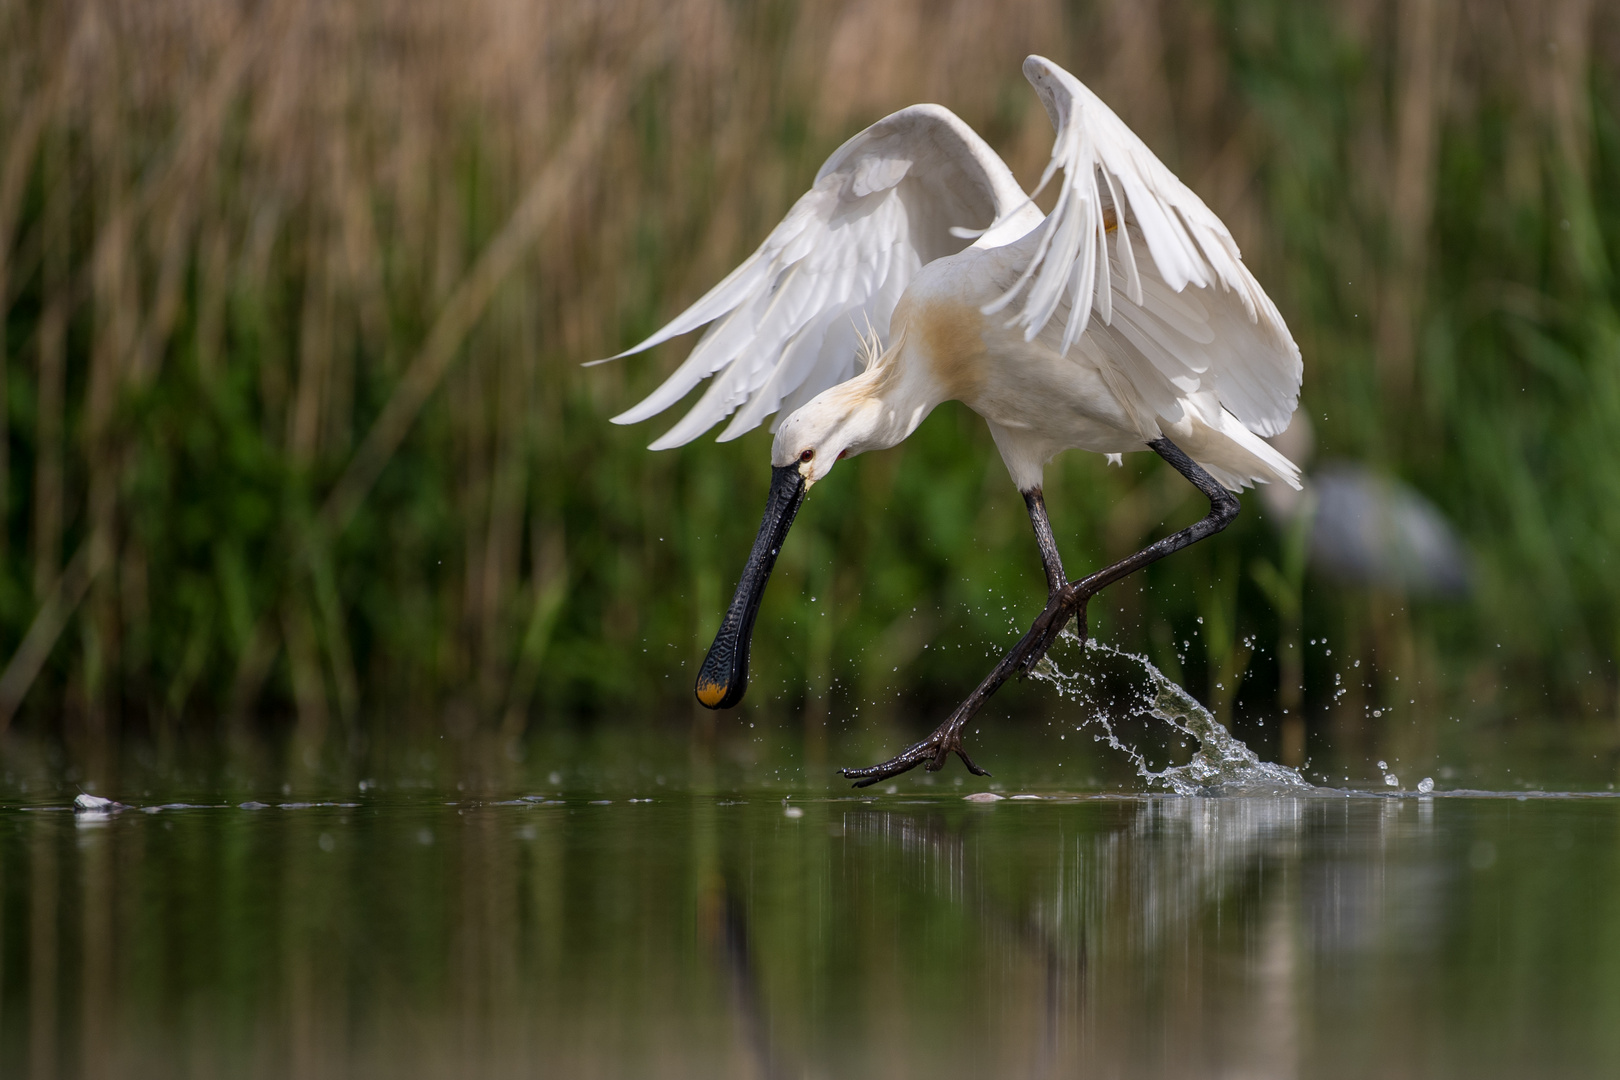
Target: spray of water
(1222, 764)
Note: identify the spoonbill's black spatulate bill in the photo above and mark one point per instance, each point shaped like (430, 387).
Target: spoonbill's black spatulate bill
(916, 271)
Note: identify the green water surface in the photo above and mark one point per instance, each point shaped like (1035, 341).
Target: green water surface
(744, 934)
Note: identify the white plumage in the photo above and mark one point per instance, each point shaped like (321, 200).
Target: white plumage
(917, 232)
(786, 324)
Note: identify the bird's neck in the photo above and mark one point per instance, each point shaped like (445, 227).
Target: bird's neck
(889, 400)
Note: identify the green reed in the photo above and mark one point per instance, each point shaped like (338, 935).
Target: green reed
(295, 296)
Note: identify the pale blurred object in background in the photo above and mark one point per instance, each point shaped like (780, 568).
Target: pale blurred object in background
(1374, 530)
(1366, 528)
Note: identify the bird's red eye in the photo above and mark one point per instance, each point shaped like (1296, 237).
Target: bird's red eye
(807, 455)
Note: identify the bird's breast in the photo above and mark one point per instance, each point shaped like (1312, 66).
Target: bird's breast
(1017, 385)
(952, 337)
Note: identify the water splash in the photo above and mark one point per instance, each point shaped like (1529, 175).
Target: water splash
(1222, 764)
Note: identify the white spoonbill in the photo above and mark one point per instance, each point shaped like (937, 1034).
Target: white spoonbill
(917, 271)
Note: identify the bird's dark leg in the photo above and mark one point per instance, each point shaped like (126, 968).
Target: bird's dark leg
(1050, 559)
(1065, 603)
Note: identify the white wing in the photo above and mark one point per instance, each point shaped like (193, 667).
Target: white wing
(787, 323)
(1227, 336)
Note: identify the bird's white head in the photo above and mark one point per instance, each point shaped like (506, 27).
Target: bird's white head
(873, 411)
(829, 427)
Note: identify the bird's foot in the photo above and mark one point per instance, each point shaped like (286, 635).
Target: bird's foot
(935, 750)
(1065, 604)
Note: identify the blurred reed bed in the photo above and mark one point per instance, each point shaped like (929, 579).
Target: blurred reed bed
(295, 292)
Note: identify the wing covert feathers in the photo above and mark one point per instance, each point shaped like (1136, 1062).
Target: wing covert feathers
(788, 322)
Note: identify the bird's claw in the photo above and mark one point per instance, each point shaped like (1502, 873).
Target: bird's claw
(973, 768)
(952, 744)
(1065, 604)
(933, 752)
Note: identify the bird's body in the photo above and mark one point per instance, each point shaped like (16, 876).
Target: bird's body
(1037, 400)
(886, 291)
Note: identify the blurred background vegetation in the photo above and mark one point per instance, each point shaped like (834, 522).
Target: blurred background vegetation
(293, 430)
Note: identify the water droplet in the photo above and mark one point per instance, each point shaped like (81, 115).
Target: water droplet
(1220, 762)
(1425, 785)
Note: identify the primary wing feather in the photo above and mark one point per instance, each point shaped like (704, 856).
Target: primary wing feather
(1192, 309)
(786, 324)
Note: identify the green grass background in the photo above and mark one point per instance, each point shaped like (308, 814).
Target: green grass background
(294, 295)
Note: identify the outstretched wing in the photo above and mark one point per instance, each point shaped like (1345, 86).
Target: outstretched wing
(1192, 309)
(787, 324)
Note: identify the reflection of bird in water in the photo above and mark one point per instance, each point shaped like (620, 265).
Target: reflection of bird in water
(1112, 937)
(940, 851)
(938, 847)
(730, 934)
(1364, 528)
(1113, 346)
(1117, 912)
